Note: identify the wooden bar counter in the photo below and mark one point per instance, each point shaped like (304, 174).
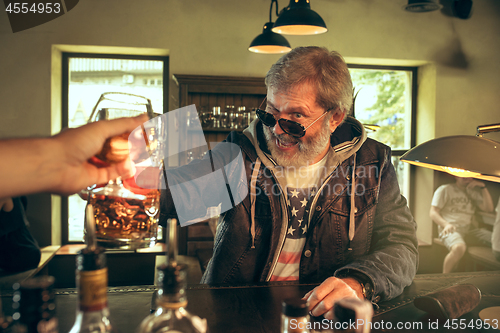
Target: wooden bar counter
(257, 308)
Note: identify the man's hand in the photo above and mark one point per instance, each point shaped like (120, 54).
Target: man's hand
(322, 298)
(60, 164)
(78, 145)
(475, 183)
(448, 229)
(6, 204)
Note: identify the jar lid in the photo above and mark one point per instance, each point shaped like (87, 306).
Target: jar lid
(295, 307)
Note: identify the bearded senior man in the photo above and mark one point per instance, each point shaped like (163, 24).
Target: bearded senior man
(324, 203)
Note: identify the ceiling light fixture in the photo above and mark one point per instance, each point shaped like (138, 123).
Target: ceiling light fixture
(269, 41)
(299, 19)
(422, 6)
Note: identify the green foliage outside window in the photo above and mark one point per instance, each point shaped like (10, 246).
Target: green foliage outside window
(383, 100)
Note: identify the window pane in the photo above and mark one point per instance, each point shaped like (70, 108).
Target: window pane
(88, 79)
(384, 99)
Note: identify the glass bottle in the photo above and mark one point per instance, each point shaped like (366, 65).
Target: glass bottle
(92, 313)
(294, 316)
(34, 306)
(169, 312)
(352, 310)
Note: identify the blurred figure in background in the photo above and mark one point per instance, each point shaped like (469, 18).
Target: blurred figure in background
(452, 208)
(19, 251)
(495, 237)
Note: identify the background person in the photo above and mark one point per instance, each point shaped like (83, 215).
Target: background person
(495, 237)
(308, 226)
(19, 251)
(452, 208)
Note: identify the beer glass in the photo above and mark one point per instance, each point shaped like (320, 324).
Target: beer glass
(126, 215)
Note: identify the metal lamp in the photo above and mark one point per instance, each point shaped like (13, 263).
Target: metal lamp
(422, 6)
(299, 19)
(268, 41)
(460, 155)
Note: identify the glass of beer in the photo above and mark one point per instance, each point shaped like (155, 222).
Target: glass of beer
(126, 215)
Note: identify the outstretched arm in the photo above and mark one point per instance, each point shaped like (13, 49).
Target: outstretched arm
(59, 164)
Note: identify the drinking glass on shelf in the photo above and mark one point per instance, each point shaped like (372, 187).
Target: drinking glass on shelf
(227, 116)
(216, 122)
(126, 215)
(236, 120)
(205, 117)
(253, 114)
(192, 117)
(224, 120)
(241, 117)
(246, 119)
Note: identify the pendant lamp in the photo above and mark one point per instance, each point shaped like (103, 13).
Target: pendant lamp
(460, 155)
(299, 19)
(269, 41)
(422, 6)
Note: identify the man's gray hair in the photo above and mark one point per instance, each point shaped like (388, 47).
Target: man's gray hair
(326, 71)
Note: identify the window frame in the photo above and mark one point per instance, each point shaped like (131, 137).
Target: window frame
(413, 117)
(65, 110)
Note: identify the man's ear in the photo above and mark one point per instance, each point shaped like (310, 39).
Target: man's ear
(336, 119)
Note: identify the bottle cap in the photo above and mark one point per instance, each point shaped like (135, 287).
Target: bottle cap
(172, 278)
(295, 307)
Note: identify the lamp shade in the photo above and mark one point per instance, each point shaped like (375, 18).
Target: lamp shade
(269, 42)
(461, 155)
(299, 19)
(422, 6)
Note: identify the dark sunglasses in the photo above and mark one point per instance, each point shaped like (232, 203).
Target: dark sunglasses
(290, 127)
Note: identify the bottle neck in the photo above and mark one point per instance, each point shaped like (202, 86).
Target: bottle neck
(171, 301)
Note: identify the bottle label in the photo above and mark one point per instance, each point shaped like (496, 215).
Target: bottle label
(93, 289)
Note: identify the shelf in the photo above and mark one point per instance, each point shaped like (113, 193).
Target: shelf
(217, 130)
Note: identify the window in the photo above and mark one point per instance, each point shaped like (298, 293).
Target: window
(385, 97)
(85, 78)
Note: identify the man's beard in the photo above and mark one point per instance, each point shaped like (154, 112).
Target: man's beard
(308, 149)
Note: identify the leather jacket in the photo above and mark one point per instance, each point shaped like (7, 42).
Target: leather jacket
(379, 240)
